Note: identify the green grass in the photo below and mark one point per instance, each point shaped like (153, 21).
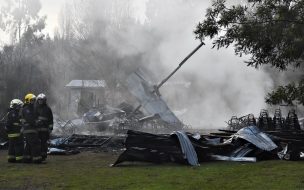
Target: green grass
(91, 171)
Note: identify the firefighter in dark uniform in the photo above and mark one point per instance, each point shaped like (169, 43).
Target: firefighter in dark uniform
(44, 123)
(32, 150)
(13, 129)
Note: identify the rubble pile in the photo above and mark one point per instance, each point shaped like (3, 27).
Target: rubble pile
(151, 132)
(76, 143)
(265, 122)
(245, 139)
(113, 121)
(249, 144)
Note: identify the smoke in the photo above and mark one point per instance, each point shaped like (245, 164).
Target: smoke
(156, 35)
(221, 84)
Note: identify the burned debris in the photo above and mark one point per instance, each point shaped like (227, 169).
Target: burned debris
(236, 123)
(245, 139)
(286, 133)
(278, 121)
(247, 144)
(76, 143)
(152, 132)
(152, 113)
(265, 122)
(90, 113)
(292, 122)
(134, 133)
(154, 148)
(149, 131)
(107, 119)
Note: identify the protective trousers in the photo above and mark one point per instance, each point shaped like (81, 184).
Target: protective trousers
(32, 150)
(44, 137)
(15, 149)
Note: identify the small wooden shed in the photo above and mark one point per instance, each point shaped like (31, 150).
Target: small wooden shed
(84, 95)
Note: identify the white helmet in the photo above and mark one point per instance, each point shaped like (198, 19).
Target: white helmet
(41, 97)
(16, 102)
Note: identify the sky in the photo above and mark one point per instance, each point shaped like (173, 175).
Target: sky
(52, 8)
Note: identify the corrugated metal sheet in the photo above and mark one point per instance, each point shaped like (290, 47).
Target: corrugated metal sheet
(151, 103)
(234, 159)
(187, 148)
(241, 151)
(253, 135)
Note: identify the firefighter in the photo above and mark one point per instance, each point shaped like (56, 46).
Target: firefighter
(13, 129)
(32, 150)
(44, 123)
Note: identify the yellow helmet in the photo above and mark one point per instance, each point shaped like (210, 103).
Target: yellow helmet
(28, 98)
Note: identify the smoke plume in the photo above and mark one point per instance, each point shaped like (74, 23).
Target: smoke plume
(101, 39)
(119, 37)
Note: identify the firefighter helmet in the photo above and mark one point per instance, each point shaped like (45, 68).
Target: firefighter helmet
(41, 98)
(29, 98)
(16, 103)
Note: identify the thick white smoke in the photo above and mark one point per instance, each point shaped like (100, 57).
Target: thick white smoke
(221, 84)
(210, 88)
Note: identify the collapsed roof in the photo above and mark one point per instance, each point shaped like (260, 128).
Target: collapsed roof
(151, 102)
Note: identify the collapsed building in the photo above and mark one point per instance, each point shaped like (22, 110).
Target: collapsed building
(149, 131)
(90, 112)
(245, 139)
(186, 148)
(151, 106)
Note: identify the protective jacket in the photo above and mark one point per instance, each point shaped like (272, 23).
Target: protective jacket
(45, 118)
(32, 150)
(29, 117)
(15, 138)
(13, 125)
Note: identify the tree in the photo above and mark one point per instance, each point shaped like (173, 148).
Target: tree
(17, 15)
(289, 94)
(20, 60)
(271, 32)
